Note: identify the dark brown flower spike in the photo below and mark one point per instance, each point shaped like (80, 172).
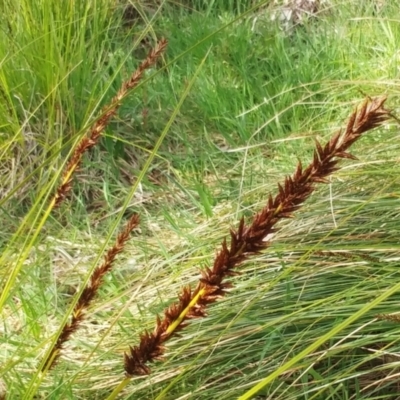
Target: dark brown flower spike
(250, 239)
(107, 113)
(89, 292)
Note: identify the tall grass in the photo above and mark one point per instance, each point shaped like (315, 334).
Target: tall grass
(198, 144)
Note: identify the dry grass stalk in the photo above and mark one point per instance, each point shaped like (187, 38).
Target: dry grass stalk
(89, 292)
(107, 113)
(250, 239)
(353, 256)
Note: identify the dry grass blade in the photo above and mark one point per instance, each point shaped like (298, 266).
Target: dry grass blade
(107, 113)
(249, 239)
(89, 292)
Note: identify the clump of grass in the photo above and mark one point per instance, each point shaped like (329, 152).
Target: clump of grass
(250, 240)
(205, 376)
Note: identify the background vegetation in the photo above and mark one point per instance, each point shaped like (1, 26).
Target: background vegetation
(263, 89)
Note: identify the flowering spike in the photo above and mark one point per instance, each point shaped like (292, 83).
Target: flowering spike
(251, 239)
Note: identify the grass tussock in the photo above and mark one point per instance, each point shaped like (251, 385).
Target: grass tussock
(309, 278)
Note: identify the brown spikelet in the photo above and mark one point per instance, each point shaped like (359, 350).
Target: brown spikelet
(89, 292)
(250, 239)
(107, 113)
(389, 317)
(3, 390)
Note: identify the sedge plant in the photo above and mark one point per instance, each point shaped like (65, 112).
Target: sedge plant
(251, 340)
